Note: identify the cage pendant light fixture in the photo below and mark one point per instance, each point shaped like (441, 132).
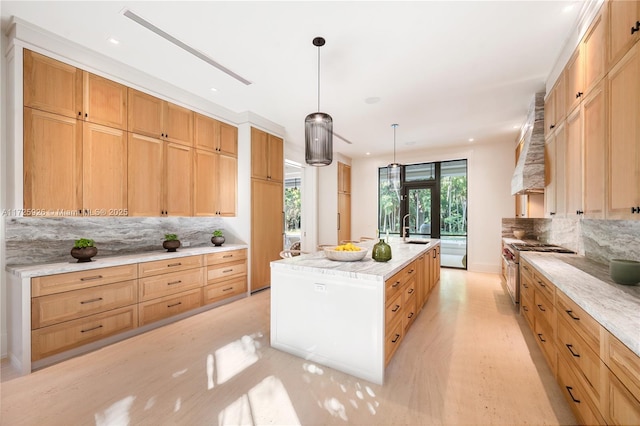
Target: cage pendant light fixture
(393, 169)
(318, 128)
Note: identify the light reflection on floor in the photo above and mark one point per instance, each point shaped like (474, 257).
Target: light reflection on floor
(116, 414)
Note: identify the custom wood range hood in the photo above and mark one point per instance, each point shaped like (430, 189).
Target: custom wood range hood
(528, 176)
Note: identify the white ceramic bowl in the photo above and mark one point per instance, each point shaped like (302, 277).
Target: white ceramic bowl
(519, 233)
(345, 256)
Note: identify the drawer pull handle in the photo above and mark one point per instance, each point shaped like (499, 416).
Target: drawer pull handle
(525, 285)
(97, 299)
(227, 255)
(525, 267)
(410, 315)
(394, 285)
(174, 282)
(396, 308)
(174, 264)
(541, 308)
(227, 270)
(525, 308)
(570, 347)
(541, 283)
(91, 329)
(540, 337)
(175, 304)
(569, 389)
(95, 277)
(227, 289)
(395, 338)
(410, 271)
(573, 317)
(410, 291)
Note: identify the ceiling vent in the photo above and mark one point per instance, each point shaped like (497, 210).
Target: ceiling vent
(148, 25)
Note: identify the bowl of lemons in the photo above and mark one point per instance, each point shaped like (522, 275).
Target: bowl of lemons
(348, 252)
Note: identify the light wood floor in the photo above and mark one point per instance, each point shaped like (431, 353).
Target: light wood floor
(468, 359)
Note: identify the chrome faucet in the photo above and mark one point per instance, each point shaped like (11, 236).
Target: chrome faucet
(405, 229)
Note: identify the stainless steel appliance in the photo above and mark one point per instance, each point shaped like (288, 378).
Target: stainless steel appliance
(511, 260)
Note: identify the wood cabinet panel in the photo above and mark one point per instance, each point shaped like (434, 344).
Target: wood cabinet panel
(168, 306)
(393, 338)
(594, 145)
(623, 363)
(410, 311)
(177, 124)
(276, 158)
(267, 156)
(206, 132)
(61, 337)
(576, 396)
(550, 176)
(228, 139)
(104, 165)
(574, 81)
(158, 267)
(105, 101)
(594, 53)
(267, 229)
(344, 217)
(622, 16)
(52, 86)
(560, 104)
(573, 164)
(581, 323)
(224, 290)
(60, 307)
(227, 187)
(51, 284)
(226, 257)
(204, 183)
(344, 178)
(145, 166)
(621, 408)
(144, 114)
(394, 310)
(178, 180)
(170, 283)
(52, 164)
(217, 273)
(544, 337)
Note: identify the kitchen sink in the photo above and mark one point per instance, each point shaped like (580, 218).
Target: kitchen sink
(418, 241)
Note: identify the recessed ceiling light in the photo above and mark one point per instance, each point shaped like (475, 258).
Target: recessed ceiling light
(213, 89)
(367, 153)
(568, 8)
(113, 40)
(515, 126)
(471, 139)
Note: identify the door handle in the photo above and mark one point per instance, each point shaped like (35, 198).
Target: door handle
(338, 221)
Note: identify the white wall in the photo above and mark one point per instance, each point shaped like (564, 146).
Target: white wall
(490, 167)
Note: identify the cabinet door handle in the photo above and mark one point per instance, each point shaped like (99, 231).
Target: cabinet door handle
(396, 308)
(227, 289)
(570, 347)
(91, 329)
(525, 308)
(410, 291)
(95, 277)
(540, 337)
(227, 270)
(579, 94)
(395, 338)
(410, 315)
(396, 284)
(541, 308)
(338, 221)
(573, 317)
(569, 389)
(541, 283)
(552, 213)
(227, 255)
(636, 28)
(635, 210)
(552, 126)
(175, 304)
(174, 264)
(97, 299)
(410, 271)
(174, 282)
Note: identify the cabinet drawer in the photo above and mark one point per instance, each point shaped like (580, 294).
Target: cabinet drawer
(527, 308)
(573, 391)
(409, 289)
(157, 267)
(623, 363)
(544, 286)
(220, 291)
(394, 310)
(51, 284)
(543, 309)
(395, 283)
(56, 308)
(580, 322)
(620, 406)
(164, 307)
(171, 283)
(392, 341)
(410, 312)
(526, 286)
(581, 357)
(526, 271)
(544, 336)
(226, 256)
(58, 338)
(226, 271)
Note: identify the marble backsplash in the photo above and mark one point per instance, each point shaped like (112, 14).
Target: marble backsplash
(596, 239)
(45, 240)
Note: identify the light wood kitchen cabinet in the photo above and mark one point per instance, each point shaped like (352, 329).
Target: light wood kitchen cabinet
(52, 86)
(52, 164)
(594, 145)
(574, 81)
(226, 275)
(435, 266)
(344, 217)
(573, 164)
(168, 306)
(573, 391)
(145, 175)
(267, 156)
(157, 118)
(213, 135)
(550, 175)
(104, 101)
(59, 283)
(621, 383)
(267, 229)
(623, 168)
(178, 180)
(344, 178)
(215, 185)
(168, 283)
(624, 31)
(104, 171)
(594, 53)
(559, 104)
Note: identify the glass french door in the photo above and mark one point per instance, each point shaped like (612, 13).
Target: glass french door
(419, 210)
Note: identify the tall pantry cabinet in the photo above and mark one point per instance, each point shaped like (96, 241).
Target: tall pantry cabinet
(344, 202)
(267, 204)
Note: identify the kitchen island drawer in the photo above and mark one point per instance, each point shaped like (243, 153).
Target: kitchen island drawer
(171, 283)
(158, 267)
(216, 292)
(56, 308)
(226, 256)
(580, 322)
(61, 337)
(393, 338)
(394, 284)
(394, 310)
(58, 283)
(226, 271)
(410, 312)
(164, 307)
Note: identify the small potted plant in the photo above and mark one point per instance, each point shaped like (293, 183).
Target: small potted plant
(83, 250)
(171, 242)
(218, 238)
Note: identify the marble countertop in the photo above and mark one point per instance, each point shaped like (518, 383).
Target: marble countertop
(587, 283)
(29, 271)
(402, 254)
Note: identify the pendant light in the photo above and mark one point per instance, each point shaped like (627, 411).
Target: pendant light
(318, 128)
(393, 169)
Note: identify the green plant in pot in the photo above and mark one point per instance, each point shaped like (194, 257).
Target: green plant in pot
(171, 242)
(83, 250)
(218, 238)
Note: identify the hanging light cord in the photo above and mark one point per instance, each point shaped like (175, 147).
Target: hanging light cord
(318, 78)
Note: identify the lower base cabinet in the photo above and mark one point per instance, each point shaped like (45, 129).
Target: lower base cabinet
(168, 306)
(574, 392)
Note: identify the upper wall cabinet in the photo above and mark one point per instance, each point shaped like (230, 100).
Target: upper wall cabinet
(213, 135)
(624, 28)
(52, 86)
(157, 118)
(105, 101)
(267, 156)
(344, 178)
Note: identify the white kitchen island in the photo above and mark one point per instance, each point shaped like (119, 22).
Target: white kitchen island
(333, 313)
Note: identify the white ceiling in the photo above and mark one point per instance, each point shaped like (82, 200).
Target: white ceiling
(445, 71)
